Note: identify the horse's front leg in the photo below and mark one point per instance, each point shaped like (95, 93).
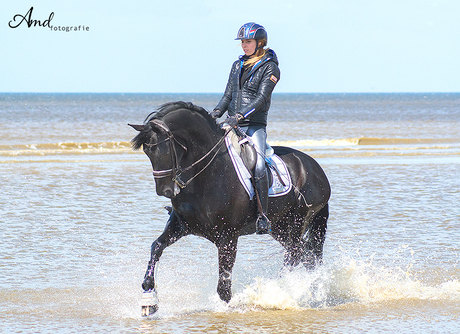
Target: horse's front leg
(174, 230)
(227, 254)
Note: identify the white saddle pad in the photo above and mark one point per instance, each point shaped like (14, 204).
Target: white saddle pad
(277, 188)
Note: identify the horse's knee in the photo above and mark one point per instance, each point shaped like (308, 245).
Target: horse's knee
(156, 250)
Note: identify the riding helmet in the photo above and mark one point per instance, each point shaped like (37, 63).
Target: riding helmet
(251, 30)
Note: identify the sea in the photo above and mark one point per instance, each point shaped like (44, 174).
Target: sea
(79, 212)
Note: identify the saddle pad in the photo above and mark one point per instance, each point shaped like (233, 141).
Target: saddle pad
(277, 188)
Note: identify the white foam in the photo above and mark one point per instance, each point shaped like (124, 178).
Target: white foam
(348, 281)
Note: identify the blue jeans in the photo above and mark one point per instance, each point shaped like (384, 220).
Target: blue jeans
(258, 135)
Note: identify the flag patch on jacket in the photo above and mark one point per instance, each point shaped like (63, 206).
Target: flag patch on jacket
(274, 79)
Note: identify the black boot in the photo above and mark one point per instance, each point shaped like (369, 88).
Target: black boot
(263, 225)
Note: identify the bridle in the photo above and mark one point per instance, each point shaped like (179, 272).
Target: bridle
(176, 171)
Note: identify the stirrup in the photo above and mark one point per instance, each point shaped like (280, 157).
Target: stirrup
(263, 225)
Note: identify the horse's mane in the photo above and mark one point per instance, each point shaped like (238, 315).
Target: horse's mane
(144, 135)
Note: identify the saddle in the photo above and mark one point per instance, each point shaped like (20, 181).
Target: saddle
(244, 157)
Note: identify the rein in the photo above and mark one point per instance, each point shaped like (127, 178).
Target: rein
(176, 171)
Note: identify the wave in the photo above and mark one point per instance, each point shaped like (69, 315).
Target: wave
(364, 141)
(65, 148)
(353, 144)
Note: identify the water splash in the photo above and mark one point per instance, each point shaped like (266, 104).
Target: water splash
(348, 281)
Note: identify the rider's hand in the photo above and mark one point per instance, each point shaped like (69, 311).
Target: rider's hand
(233, 120)
(215, 114)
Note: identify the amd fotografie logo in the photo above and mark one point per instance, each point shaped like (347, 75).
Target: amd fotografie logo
(19, 19)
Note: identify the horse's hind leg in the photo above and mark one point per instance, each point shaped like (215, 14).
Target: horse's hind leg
(290, 238)
(174, 230)
(315, 237)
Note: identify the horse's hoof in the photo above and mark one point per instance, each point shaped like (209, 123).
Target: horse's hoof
(149, 310)
(149, 303)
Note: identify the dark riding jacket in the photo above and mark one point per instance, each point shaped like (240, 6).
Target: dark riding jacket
(252, 97)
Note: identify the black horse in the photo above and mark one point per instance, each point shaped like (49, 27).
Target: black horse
(192, 167)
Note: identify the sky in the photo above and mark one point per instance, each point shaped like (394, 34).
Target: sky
(179, 46)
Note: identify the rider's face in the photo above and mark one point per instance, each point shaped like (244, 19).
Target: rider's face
(249, 46)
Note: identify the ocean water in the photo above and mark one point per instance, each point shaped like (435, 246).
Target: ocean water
(78, 213)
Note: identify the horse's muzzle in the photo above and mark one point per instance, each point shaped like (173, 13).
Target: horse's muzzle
(169, 190)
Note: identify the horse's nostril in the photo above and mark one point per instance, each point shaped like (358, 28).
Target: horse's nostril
(164, 190)
(168, 193)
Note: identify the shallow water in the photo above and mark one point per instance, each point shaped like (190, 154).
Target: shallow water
(79, 212)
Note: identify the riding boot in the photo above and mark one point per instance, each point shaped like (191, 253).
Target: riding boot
(263, 225)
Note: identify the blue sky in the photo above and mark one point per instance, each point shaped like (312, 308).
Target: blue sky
(180, 46)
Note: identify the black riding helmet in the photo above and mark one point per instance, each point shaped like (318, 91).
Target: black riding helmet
(252, 30)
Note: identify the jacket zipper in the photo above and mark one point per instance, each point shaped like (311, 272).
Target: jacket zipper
(240, 88)
(238, 96)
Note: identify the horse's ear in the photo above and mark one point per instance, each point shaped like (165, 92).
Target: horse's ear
(137, 127)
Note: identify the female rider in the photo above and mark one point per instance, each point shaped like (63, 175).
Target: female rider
(247, 99)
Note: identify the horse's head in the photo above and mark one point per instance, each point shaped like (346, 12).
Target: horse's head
(172, 138)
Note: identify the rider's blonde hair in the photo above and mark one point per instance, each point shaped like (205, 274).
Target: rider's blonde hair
(259, 54)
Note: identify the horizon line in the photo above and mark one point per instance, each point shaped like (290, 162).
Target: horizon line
(221, 93)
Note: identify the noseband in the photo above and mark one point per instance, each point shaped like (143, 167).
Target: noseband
(158, 174)
(176, 171)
